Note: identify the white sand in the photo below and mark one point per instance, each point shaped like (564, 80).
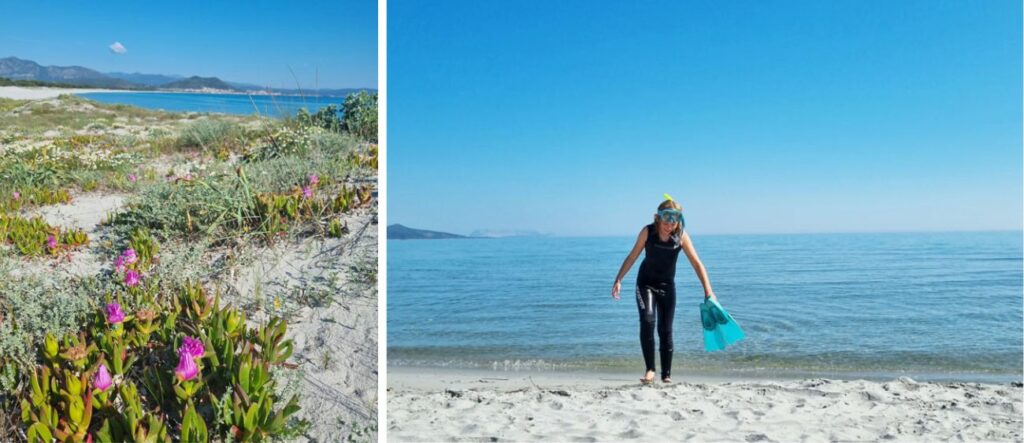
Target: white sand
(440, 405)
(335, 345)
(38, 93)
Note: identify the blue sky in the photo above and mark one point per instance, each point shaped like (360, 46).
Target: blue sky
(251, 42)
(572, 118)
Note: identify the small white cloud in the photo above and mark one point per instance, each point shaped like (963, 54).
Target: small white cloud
(118, 48)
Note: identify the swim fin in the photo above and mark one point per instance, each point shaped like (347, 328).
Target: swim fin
(720, 330)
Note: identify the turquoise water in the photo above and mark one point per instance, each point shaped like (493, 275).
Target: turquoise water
(266, 105)
(931, 305)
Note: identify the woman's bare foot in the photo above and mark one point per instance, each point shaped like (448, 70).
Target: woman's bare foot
(648, 378)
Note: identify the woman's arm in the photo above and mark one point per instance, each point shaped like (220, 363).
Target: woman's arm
(641, 240)
(698, 267)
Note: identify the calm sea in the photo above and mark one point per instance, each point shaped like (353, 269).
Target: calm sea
(267, 105)
(940, 306)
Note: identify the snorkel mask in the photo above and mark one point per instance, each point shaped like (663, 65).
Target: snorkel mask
(669, 215)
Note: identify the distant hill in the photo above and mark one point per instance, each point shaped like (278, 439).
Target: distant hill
(17, 69)
(20, 70)
(145, 79)
(399, 232)
(196, 82)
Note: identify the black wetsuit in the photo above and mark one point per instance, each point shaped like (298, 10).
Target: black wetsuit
(656, 297)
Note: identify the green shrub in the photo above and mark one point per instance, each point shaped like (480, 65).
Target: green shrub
(360, 115)
(325, 118)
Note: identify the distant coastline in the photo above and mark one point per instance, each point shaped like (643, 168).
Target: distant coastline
(400, 232)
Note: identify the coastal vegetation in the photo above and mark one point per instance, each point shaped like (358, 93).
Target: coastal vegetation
(154, 268)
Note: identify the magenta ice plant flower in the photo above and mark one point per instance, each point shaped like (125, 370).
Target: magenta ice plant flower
(132, 178)
(313, 180)
(102, 380)
(192, 347)
(129, 256)
(51, 242)
(119, 264)
(307, 192)
(187, 369)
(114, 313)
(16, 195)
(132, 278)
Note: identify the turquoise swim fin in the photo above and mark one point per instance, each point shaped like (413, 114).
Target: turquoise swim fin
(720, 330)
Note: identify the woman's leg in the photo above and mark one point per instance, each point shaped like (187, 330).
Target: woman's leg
(666, 311)
(645, 306)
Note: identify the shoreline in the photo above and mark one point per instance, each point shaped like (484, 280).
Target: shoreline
(430, 378)
(427, 404)
(46, 92)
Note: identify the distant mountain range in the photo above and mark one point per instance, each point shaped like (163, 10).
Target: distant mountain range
(18, 69)
(14, 68)
(399, 232)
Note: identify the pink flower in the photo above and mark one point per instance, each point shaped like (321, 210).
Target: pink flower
(192, 347)
(307, 192)
(131, 278)
(102, 380)
(119, 264)
(129, 256)
(51, 242)
(132, 178)
(114, 313)
(313, 180)
(187, 369)
(16, 195)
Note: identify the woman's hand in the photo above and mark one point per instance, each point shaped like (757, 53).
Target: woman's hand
(616, 288)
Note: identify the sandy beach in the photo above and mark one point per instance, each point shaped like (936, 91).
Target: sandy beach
(24, 93)
(454, 405)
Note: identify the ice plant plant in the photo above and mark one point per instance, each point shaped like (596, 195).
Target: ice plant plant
(114, 313)
(192, 347)
(187, 369)
(117, 379)
(132, 278)
(102, 380)
(129, 257)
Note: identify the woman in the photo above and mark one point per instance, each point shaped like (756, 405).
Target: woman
(655, 284)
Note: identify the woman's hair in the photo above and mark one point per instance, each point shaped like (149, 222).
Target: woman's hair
(671, 204)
